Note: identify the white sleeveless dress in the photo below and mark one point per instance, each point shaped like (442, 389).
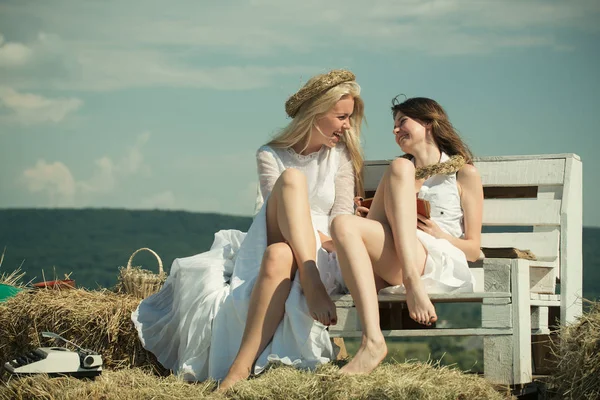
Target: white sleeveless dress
(194, 324)
(446, 267)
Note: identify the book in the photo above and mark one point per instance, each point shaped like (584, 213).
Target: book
(423, 206)
(507, 252)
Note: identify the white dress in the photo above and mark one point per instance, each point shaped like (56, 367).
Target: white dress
(194, 324)
(446, 267)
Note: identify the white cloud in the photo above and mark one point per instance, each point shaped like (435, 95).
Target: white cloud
(29, 108)
(53, 179)
(103, 180)
(13, 54)
(113, 69)
(153, 44)
(56, 181)
(108, 173)
(163, 200)
(133, 161)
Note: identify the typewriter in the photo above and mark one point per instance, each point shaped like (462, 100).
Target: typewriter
(57, 361)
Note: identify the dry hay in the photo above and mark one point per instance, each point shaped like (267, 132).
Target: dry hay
(122, 384)
(391, 381)
(100, 320)
(577, 351)
(96, 320)
(140, 282)
(12, 279)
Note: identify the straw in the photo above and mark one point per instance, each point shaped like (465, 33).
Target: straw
(141, 282)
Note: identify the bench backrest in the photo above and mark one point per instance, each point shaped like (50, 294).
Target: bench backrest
(531, 202)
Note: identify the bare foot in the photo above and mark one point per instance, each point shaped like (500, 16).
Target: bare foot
(320, 306)
(233, 377)
(368, 356)
(420, 308)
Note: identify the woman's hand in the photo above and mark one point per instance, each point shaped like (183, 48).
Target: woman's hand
(428, 226)
(360, 210)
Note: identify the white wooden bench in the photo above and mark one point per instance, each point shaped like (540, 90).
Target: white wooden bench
(542, 195)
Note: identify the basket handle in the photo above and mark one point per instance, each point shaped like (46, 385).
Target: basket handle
(160, 265)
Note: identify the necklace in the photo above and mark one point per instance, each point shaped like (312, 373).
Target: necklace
(449, 166)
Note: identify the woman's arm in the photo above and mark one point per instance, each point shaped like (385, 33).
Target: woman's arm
(344, 188)
(471, 200)
(268, 170)
(344, 196)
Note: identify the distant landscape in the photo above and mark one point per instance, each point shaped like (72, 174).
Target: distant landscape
(90, 245)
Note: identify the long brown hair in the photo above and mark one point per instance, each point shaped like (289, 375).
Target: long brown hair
(443, 132)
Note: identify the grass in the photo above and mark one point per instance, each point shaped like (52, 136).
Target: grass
(12, 279)
(101, 320)
(417, 381)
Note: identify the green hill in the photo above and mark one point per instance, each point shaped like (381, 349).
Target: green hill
(92, 243)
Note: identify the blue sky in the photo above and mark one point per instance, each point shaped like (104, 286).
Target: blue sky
(148, 104)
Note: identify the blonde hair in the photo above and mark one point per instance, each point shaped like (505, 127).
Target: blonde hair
(300, 128)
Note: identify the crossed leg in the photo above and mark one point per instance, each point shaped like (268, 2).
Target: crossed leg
(387, 241)
(289, 221)
(397, 205)
(291, 247)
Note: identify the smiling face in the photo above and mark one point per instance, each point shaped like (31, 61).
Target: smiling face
(409, 133)
(331, 127)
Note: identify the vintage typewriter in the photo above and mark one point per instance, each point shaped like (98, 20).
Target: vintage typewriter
(57, 361)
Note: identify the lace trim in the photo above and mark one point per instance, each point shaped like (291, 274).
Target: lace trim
(303, 157)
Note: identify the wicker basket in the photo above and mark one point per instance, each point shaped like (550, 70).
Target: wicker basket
(141, 282)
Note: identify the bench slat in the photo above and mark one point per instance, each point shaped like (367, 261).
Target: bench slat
(435, 297)
(521, 212)
(543, 244)
(522, 172)
(373, 174)
(428, 332)
(494, 172)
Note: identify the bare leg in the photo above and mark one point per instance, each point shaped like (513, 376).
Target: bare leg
(380, 283)
(289, 220)
(267, 306)
(374, 241)
(367, 255)
(400, 207)
(359, 277)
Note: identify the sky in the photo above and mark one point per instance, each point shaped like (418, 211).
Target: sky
(145, 104)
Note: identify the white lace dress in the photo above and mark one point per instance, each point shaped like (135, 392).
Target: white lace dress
(194, 325)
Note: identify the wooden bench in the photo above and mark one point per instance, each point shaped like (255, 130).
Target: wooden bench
(531, 202)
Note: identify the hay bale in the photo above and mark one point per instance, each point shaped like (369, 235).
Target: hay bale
(415, 381)
(97, 320)
(577, 351)
(124, 384)
(411, 380)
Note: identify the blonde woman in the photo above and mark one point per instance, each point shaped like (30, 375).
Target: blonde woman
(226, 313)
